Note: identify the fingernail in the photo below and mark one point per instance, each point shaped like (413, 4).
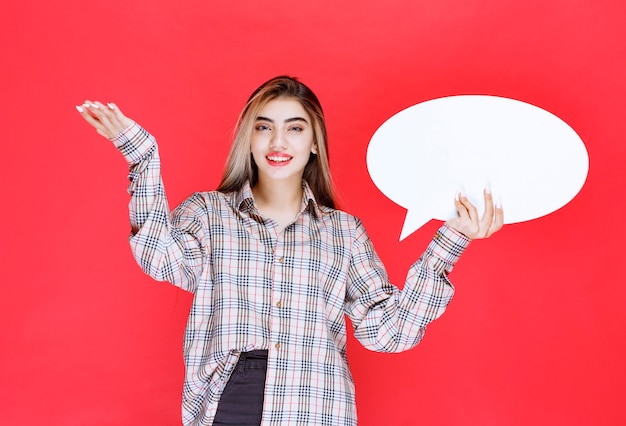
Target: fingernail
(80, 108)
(95, 106)
(488, 190)
(498, 204)
(111, 105)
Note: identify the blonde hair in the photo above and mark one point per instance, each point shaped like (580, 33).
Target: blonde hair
(240, 166)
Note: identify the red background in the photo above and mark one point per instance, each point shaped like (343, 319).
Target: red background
(535, 334)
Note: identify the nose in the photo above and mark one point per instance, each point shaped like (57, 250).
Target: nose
(278, 141)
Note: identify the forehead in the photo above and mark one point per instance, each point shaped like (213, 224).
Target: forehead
(280, 109)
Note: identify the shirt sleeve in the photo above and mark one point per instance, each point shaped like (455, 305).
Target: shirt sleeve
(386, 319)
(168, 246)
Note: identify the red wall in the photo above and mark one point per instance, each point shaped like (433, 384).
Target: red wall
(535, 334)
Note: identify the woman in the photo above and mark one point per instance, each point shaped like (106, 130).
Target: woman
(275, 268)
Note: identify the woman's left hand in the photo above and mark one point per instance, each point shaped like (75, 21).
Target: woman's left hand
(469, 224)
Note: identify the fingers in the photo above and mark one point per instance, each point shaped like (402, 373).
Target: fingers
(468, 221)
(488, 216)
(498, 220)
(467, 212)
(86, 113)
(493, 218)
(108, 120)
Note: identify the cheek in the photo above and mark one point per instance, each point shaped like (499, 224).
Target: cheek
(255, 144)
(256, 156)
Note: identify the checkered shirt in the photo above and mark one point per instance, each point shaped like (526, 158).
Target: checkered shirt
(287, 292)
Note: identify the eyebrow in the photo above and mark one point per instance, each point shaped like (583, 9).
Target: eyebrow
(289, 120)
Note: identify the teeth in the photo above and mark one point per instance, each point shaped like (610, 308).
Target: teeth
(278, 159)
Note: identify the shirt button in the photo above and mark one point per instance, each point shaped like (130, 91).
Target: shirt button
(277, 345)
(281, 260)
(279, 304)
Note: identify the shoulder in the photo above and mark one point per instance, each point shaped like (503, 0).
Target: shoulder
(206, 201)
(342, 222)
(209, 210)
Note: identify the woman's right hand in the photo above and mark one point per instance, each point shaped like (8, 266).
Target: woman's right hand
(107, 119)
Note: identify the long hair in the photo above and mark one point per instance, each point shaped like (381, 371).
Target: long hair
(240, 166)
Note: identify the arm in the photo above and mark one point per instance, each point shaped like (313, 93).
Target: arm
(167, 247)
(386, 319)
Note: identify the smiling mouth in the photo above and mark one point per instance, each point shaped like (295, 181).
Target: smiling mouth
(278, 159)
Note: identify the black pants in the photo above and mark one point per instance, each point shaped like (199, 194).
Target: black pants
(241, 402)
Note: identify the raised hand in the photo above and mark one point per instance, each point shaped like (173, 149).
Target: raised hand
(107, 119)
(469, 224)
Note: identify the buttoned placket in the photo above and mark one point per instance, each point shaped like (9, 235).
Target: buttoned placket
(269, 232)
(277, 300)
(276, 295)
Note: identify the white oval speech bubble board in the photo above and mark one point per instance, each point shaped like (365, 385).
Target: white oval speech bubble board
(423, 156)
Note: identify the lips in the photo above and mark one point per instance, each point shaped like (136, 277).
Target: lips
(278, 158)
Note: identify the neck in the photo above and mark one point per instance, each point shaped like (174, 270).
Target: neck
(278, 196)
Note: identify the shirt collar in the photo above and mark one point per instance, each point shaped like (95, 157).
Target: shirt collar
(244, 200)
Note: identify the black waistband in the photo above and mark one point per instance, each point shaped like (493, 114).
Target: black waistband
(257, 354)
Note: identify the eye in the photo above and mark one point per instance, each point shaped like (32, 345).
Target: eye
(261, 127)
(296, 128)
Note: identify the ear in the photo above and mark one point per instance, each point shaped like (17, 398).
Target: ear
(314, 149)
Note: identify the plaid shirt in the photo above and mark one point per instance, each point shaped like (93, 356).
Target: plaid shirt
(288, 292)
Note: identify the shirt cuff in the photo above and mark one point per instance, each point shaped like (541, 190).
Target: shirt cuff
(134, 142)
(446, 248)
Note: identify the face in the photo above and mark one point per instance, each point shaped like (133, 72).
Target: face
(282, 141)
